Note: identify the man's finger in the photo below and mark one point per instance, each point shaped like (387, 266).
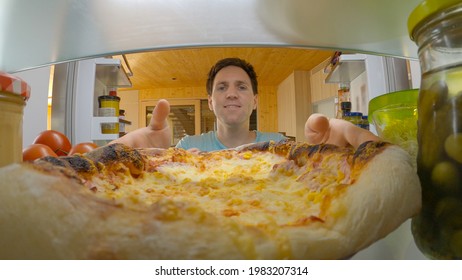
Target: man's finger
(159, 115)
(316, 128)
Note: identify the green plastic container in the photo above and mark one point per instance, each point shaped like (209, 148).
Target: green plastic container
(395, 117)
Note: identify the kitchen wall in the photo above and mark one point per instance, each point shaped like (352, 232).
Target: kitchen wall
(359, 94)
(129, 101)
(294, 104)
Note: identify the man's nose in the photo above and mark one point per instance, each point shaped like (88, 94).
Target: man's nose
(231, 92)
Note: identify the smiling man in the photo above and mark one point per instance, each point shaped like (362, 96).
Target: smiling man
(232, 95)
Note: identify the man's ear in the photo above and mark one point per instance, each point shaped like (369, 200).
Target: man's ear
(210, 103)
(255, 98)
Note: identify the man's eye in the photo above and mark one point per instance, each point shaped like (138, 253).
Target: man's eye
(243, 87)
(220, 88)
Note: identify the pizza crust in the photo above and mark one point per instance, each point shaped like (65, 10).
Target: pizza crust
(46, 216)
(386, 194)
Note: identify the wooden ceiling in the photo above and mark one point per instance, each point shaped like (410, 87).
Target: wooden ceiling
(189, 67)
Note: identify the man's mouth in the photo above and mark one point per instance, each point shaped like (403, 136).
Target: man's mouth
(232, 106)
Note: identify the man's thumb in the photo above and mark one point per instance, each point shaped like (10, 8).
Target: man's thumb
(159, 115)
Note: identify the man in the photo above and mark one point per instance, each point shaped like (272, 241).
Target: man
(232, 95)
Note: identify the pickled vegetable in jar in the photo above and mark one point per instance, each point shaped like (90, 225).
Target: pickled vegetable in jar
(436, 27)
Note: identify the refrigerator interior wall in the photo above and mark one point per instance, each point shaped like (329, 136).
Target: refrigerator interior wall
(325, 107)
(36, 109)
(63, 98)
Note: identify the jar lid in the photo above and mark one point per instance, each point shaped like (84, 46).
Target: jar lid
(15, 85)
(426, 9)
(356, 114)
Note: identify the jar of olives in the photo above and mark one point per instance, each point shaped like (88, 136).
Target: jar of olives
(436, 27)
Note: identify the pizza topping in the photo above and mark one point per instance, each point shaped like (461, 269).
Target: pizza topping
(248, 183)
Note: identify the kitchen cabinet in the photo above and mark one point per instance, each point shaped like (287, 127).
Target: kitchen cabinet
(294, 104)
(320, 90)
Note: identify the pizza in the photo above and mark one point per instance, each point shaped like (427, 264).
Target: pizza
(284, 200)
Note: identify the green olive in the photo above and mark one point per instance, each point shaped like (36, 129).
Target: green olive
(447, 205)
(455, 243)
(448, 212)
(453, 146)
(446, 176)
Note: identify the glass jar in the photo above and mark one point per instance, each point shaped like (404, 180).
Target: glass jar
(354, 118)
(109, 107)
(13, 95)
(345, 107)
(436, 27)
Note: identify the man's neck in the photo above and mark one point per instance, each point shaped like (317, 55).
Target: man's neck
(233, 137)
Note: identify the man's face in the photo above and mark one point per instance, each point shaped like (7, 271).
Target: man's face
(232, 98)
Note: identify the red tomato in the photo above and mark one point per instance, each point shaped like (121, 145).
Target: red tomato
(57, 141)
(83, 148)
(35, 151)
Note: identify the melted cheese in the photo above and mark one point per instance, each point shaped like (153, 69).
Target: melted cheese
(257, 188)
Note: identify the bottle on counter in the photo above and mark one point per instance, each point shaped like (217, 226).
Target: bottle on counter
(343, 96)
(346, 108)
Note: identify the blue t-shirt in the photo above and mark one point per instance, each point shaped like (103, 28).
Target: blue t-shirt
(208, 142)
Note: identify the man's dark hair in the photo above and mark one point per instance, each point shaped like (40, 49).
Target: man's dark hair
(233, 61)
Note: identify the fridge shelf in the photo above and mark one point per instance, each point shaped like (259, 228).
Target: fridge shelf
(111, 73)
(125, 121)
(96, 133)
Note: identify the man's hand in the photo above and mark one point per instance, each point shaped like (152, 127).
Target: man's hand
(319, 129)
(157, 134)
